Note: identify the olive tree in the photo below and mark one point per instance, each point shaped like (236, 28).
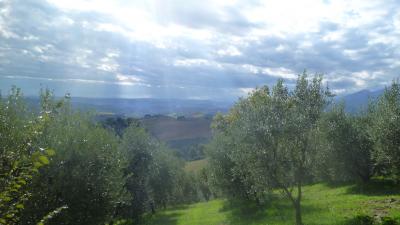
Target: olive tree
(138, 149)
(164, 175)
(86, 173)
(271, 137)
(347, 152)
(385, 130)
(226, 176)
(155, 176)
(21, 154)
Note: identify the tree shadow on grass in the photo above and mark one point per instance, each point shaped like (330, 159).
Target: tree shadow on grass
(178, 207)
(241, 211)
(338, 184)
(274, 211)
(162, 218)
(376, 187)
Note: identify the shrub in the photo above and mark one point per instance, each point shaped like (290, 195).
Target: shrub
(389, 221)
(361, 220)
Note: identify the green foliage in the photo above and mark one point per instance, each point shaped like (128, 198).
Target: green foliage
(204, 184)
(389, 221)
(361, 220)
(91, 177)
(14, 191)
(20, 154)
(83, 172)
(225, 178)
(155, 176)
(51, 215)
(137, 148)
(189, 149)
(165, 179)
(118, 125)
(266, 141)
(86, 173)
(90, 170)
(385, 130)
(346, 146)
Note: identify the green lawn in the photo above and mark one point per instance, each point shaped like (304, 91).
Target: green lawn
(322, 204)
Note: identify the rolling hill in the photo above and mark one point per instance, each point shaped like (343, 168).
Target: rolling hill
(359, 100)
(186, 134)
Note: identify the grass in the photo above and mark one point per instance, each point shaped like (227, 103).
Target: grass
(322, 204)
(196, 165)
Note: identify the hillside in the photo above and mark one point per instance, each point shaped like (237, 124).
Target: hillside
(167, 128)
(196, 165)
(185, 134)
(323, 205)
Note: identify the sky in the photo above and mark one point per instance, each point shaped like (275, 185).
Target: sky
(199, 49)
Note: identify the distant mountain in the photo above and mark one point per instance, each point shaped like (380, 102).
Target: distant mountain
(359, 100)
(187, 107)
(141, 107)
(147, 106)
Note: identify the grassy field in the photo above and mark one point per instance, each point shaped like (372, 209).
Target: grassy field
(196, 165)
(322, 204)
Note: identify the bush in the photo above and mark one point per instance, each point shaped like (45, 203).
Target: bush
(389, 221)
(361, 220)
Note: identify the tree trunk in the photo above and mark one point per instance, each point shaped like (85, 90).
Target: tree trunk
(297, 205)
(153, 209)
(295, 201)
(300, 176)
(298, 213)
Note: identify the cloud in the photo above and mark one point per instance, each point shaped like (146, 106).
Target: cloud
(195, 49)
